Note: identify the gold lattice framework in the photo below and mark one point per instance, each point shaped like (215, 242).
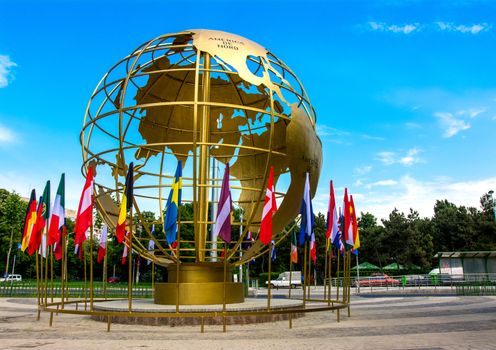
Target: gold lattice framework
(204, 97)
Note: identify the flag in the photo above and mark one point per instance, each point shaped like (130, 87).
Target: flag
(273, 252)
(306, 211)
(172, 206)
(222, 227)
(78, 249)
(151, 244)
(294, 250)
(29, 221)
(84, 218)
(42, 215)
(126, 204)
(340, 244)
(356, 236)
(57, 247)
(57, 221)
(332, 221)
(124, 255)
(102, 248)
(270, 207)
(347, 229)
(313, 248)
(248, 241)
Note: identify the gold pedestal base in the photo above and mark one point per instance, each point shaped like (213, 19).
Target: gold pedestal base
(199, 284)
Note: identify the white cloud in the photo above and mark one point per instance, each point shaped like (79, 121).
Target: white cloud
(463, 28)
(382, 183)
(386, 158)
(410, 157)
(5, 70)
(389, 158)
(421, 195)
(394, 28)
(362, 170)
(6, 135)
(471, 112)
(334, 135)
(450, 124)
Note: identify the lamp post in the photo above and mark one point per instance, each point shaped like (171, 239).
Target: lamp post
(493, 203)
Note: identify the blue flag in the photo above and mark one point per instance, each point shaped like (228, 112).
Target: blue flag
(172, 206)
(307, 220)
(273, 253)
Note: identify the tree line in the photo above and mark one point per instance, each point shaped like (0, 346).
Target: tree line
(404, 238)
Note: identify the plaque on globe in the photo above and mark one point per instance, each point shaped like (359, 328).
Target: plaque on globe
(205, 98)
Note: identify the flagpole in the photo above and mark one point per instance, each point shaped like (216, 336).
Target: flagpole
(62, 273)
(51, 274)
(268, 284)
(46, 262)
(329, 277)
(224, 296)
(105, 271)
(38, 284)
(130, 261)
(66, 241)
(85, 290)
(305, 273)
(309, 271)
(349, 284)
(290, 271)
(153, 276)
(178, 238)
(325, 268)
(91, 266)
(338, 274)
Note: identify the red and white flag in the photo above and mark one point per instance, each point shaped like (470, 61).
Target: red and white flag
(103, 244)
(270, 207)
(57, 220)
(84, 217)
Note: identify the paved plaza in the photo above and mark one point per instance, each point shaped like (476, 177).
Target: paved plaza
(378, 322)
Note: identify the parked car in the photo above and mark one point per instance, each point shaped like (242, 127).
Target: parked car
(377, 280)
(113, 280)
(15, 278)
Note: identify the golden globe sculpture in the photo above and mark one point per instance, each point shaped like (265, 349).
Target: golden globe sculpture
(204, 97)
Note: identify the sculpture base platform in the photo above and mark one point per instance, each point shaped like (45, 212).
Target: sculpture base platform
(200, 283)
(163, 314)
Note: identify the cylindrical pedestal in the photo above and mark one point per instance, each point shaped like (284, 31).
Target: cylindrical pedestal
(199, 284)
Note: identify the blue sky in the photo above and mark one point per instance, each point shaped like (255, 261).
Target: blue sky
(405, 91)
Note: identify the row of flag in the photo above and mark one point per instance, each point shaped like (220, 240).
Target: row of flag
(341, 231)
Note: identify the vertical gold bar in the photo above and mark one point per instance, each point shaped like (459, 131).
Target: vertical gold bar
(325, 268)
(38, 285)
(290, 272)
(51, 274)
(269, 277)
(224, 296)
(104, 277)
(204, 162)
(309, 272)
(91, 266)
(62, 274)
(305, 274)
(178, 255)
(130, 263)
(84, 286)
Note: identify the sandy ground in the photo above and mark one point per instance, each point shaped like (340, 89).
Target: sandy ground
(434, 323)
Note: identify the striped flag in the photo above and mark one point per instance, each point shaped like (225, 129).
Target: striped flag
(126, 204)
(270, 207)
(332, 231)
(307, 220)
(124, 255)
(172, 206)
(102, 248)
(294, 250)
(29, 221)
(42, 215)
(347, 225)
(222, 227)
(84, 217)
(151, 245)
(354, 221)
(57, 221)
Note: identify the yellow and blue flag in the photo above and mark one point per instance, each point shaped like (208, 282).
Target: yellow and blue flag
(172, 206)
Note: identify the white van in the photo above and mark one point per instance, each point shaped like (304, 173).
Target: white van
(15, 278)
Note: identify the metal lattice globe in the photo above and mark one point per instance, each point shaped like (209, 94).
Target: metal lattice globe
(207, 98)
